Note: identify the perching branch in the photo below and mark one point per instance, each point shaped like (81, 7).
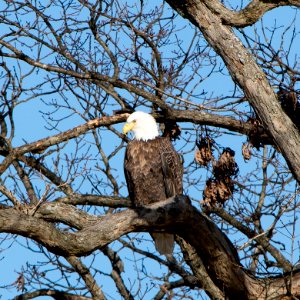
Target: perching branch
(174, 215)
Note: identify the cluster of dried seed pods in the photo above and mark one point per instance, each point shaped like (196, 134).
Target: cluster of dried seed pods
(203, 153)
(220, 187)
(247, 151)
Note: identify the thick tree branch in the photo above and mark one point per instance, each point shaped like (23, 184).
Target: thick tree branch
(174, 215)
(96, 200)
(64, 213)
(204, 118)
(248, 15)
(245, 71)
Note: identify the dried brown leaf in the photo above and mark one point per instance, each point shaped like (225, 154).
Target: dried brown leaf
(226, 165)
(203, 153)
(246, 151)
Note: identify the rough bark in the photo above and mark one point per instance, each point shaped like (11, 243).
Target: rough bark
(247, 16)
(218, 255)
(245, 72)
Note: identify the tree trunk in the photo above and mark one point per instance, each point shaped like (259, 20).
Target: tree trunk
(248, 75)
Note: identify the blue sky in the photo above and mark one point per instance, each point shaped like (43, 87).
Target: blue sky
(28, 128)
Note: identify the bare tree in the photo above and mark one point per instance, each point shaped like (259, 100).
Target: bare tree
(225, 92)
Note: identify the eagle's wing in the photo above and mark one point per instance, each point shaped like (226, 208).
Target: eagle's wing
(128, 178)
(172, 168)
(164, 242)
(153, 172)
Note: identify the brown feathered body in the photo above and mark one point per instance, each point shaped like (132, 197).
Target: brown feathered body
(153, 172)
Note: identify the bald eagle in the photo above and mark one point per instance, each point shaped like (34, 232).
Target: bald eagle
(153, 169)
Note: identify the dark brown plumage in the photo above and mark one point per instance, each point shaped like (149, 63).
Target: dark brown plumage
(153, 172)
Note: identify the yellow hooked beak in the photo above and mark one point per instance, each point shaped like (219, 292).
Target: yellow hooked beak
(128, 126)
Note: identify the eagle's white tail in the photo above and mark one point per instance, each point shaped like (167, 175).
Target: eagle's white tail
(164, 242)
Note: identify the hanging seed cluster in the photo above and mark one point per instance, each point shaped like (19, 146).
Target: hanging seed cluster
(254, 137)
(171, 130)
(290, 103)
(203, 153)
(247, 151)
(220, 187)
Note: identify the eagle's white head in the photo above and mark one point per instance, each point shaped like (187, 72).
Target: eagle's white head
(142, 125)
